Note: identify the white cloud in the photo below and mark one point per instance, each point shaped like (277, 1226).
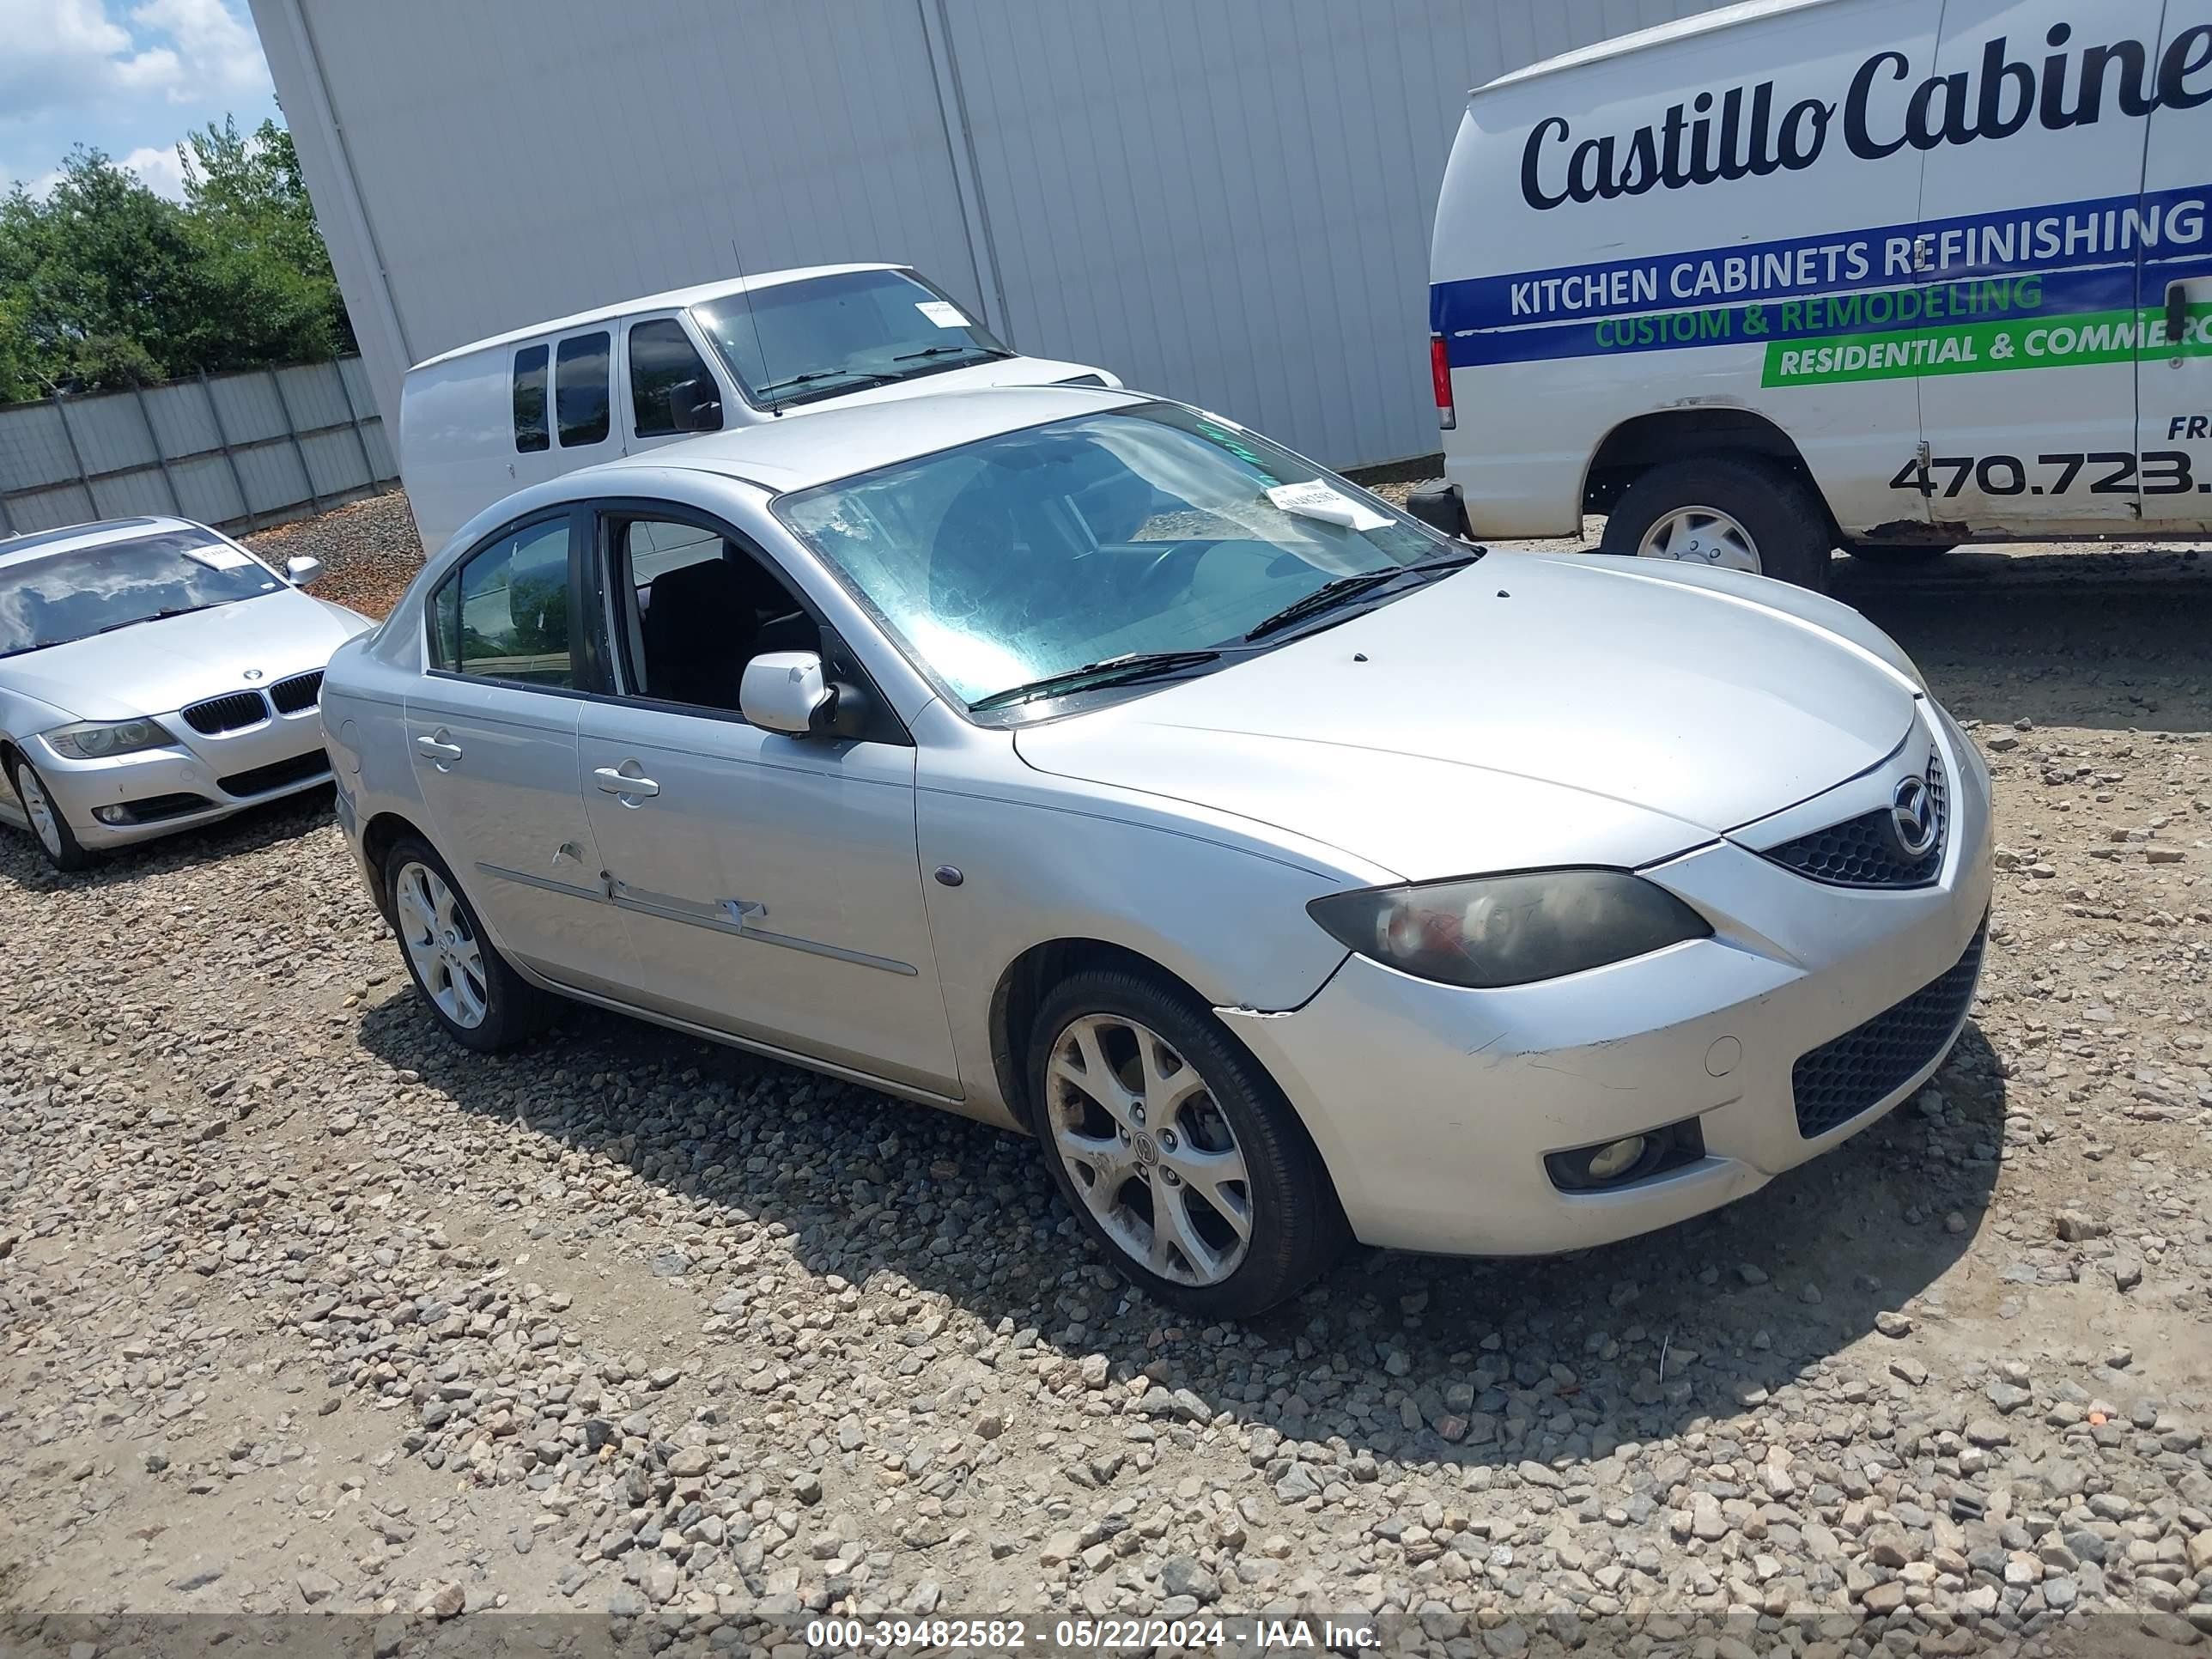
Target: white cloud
(221, 58)
(163, 173)
(62, 54)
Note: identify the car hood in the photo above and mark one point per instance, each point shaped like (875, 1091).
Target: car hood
(1000, 371)
(1526, 712)
(156, 667)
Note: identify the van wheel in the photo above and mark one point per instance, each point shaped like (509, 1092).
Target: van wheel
(1737, 512)
(1896, 553)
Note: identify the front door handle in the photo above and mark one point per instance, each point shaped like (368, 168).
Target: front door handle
(441, 752)
(617, 782)
(2176, 312)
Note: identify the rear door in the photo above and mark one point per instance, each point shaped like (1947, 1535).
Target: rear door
(2026, 257)
(2173, 378)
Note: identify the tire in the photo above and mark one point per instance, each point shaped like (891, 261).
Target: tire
(1293, 1228)
(1905, 554)
(48, 827)
(1786, 527)
(458, 973)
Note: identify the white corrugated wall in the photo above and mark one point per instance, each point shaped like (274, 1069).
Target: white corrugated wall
(1227, 201)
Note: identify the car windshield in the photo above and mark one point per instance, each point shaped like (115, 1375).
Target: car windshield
(77, 592)
(793, 343)
(1126, 533)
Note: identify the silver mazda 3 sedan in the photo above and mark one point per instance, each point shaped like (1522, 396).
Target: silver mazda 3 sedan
(154, 675)
(1095, 766)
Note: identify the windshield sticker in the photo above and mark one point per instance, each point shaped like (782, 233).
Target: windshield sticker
(1227, 440)
(1317, 500)
(942, 313)
(218, 558)
(1951, 296)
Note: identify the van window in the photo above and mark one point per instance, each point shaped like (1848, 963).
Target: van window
(579, 389)
(504, 614)
(664, 364)
(530, 400)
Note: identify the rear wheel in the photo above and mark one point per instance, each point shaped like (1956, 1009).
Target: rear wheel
(1179, 1156)
(1736, 512)
(481, 1002)
(56, 839)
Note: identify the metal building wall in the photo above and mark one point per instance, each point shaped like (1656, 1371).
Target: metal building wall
(1224, 200)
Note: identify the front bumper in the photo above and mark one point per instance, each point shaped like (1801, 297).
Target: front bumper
(197, 780)
(1434, 1106)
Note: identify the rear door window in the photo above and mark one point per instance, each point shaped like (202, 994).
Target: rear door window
(579, 389)
(530, 400)
(504, 615)
(664, 367)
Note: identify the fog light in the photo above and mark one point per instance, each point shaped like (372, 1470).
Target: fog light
(1611, 1162)
(111, 814)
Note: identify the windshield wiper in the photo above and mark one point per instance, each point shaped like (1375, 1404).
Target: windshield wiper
(158, 616)
(1112, 670)
(949, 351)
(1339, 590)
(819, 374)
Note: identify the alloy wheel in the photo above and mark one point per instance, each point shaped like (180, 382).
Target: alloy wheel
(38, 809)
(1149, 1149)
(441, 945)
(1701, 535)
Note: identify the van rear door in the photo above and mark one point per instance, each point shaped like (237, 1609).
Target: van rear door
(2173, 378)
(2026, 263)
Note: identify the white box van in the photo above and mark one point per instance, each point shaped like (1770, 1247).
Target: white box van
(1890, 275)
(482, 421)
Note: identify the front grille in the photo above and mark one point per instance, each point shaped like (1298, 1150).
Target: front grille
(1861, 852)
(298, 692)
(277, 774)
(231, 713)
(1838, 1080)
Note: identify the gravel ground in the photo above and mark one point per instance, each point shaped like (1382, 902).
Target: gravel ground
(303, 1308)
(369, 551)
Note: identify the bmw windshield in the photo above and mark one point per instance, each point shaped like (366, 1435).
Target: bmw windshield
(796, 343)
(1108, 549)
(58, 597)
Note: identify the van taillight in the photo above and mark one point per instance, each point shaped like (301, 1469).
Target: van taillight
(1440, 372)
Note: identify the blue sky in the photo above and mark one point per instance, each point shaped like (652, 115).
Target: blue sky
(128, 76)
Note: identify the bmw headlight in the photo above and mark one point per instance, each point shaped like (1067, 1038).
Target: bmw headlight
(1495, 931)
(97, 739)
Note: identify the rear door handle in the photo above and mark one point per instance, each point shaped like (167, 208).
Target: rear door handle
(617, 782)
(443, 753)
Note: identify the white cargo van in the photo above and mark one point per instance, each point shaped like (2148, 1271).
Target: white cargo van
(1887, 274)
(482, 421)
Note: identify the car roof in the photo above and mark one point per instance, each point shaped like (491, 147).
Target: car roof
(18, 548)
(807, 447)
(670, 299)
(1681, 29)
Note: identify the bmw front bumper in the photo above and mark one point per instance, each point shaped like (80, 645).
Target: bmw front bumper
(122, 798)
(1435, 1107)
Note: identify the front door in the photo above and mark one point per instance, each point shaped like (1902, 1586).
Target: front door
(2029, 236)
(770, 885)
(2173, 379)
(491, 730)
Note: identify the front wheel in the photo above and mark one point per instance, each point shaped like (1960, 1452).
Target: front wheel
(56, 839)
(1180, 1159)
(1738, 511)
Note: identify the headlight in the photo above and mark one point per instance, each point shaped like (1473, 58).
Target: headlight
(1510, 930)
(97, 739)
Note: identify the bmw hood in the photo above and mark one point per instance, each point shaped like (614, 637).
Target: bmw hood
(1529, 711)
(155, 667)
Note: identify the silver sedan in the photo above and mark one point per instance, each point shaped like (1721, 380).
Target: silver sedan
(1091, 765)
(154, 675)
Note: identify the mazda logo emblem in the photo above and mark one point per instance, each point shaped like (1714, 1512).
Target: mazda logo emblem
(1912, 818)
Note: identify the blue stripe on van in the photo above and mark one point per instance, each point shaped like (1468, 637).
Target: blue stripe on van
(2069, 252)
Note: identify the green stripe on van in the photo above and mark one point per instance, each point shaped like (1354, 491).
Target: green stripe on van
(2061, 341)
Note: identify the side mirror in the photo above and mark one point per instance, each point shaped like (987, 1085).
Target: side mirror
(785, 691)
(303, 569)
(695, 405)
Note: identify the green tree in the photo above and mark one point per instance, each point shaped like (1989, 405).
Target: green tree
(104, 283)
